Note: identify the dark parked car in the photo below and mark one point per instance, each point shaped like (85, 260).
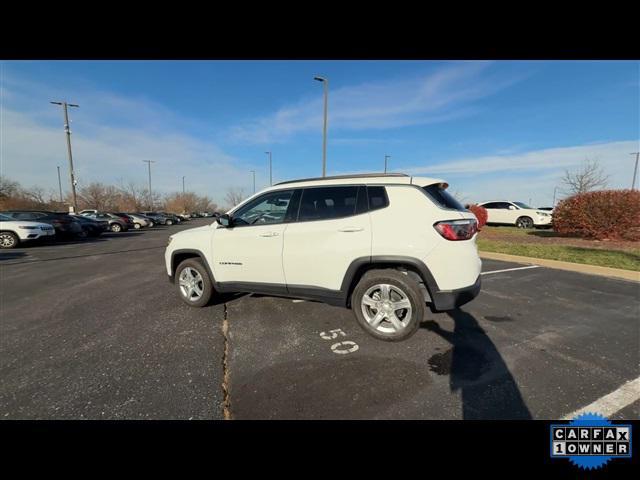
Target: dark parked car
(125, 217)
(64, 224)
(173, 217)
(158, 218)
(92, 227)
(116, 223)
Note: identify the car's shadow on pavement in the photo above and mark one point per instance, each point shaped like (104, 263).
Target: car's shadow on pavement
(11, 255)
(477, 369)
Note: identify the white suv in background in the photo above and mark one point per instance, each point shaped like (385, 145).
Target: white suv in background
(13, 232)
(516, 213)
(383, 245)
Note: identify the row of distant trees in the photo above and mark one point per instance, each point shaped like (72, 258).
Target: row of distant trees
(124, 197)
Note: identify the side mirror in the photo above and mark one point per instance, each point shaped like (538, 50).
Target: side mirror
(511, 207)
(224, 220)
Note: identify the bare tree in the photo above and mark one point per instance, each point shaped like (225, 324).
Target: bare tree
(36, 195)
(234, 196)
(99, 196)
(586, 178)
(8, 188)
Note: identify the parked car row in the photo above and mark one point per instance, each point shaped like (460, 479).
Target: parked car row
(20, 226)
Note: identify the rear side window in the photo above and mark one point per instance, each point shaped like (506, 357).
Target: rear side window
(442, 198)
(327, 202)
(377, 198)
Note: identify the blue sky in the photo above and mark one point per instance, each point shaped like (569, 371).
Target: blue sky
(494, 130)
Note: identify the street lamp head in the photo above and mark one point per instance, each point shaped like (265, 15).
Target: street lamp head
(320, 79)
(56, 103)
(73, 105)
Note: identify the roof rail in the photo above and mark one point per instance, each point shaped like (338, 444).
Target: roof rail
(339, 177)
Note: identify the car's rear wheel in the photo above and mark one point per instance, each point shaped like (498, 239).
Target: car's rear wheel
(8, 240)
(388, 304)
(137, 226)
(169, 222)
(524, 222)
(193, 282)
(116, 227)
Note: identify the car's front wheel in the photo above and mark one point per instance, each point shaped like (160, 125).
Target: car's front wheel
(137, 226)
(193, 282)
(116, 227)
(169, 222)
(388, 304)
(524, 222)
(8, 240)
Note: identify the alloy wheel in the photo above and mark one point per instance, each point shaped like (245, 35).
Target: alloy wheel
(7, 240)
(386, 308)
(191, 284)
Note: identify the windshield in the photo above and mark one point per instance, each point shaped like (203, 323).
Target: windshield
(522, 205)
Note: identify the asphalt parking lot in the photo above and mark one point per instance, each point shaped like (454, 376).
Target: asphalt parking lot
(93, 329)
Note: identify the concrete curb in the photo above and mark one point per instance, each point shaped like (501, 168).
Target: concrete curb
(573, 267)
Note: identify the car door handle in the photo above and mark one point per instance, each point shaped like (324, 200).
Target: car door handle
(351, 229)
(269, 234)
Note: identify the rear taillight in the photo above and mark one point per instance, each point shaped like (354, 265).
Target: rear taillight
(457, 229)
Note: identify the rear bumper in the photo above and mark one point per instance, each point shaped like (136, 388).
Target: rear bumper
(451, 299)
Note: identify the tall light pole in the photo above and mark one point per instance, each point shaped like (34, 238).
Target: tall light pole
(68, 135)
(254, 180)
(325, 84)
(554, 196)
(149, 162)
(60, 184)
(635, 170)
(270, 169)
(385, 162)
(183, 185)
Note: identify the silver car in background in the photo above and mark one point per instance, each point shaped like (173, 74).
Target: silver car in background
(140, 221)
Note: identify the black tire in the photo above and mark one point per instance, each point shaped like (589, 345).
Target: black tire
(151, 224)
(524, 222)
(9, 240)
(169, 222)
(405, 285)
(116, 227)
(207, 286)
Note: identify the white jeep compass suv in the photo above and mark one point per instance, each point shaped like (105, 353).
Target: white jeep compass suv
(384, 245)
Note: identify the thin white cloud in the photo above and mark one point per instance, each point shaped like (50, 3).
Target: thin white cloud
(32, 144)
(550, 158)
(531, 175)
(446, 94)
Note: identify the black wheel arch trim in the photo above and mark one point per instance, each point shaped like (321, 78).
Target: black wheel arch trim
(348, 282)
(196, 253)
(441, 300)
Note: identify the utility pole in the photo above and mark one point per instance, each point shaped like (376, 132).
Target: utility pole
(68, 132)
(60, 184)
(635, 170)
(270, 169)
(254, 180)
(554, 196)
(385, 162)
(325, 85)
(149, 162)
(183, 185)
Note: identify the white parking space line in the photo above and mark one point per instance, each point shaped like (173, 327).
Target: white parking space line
(509, 269)
(613, 402)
